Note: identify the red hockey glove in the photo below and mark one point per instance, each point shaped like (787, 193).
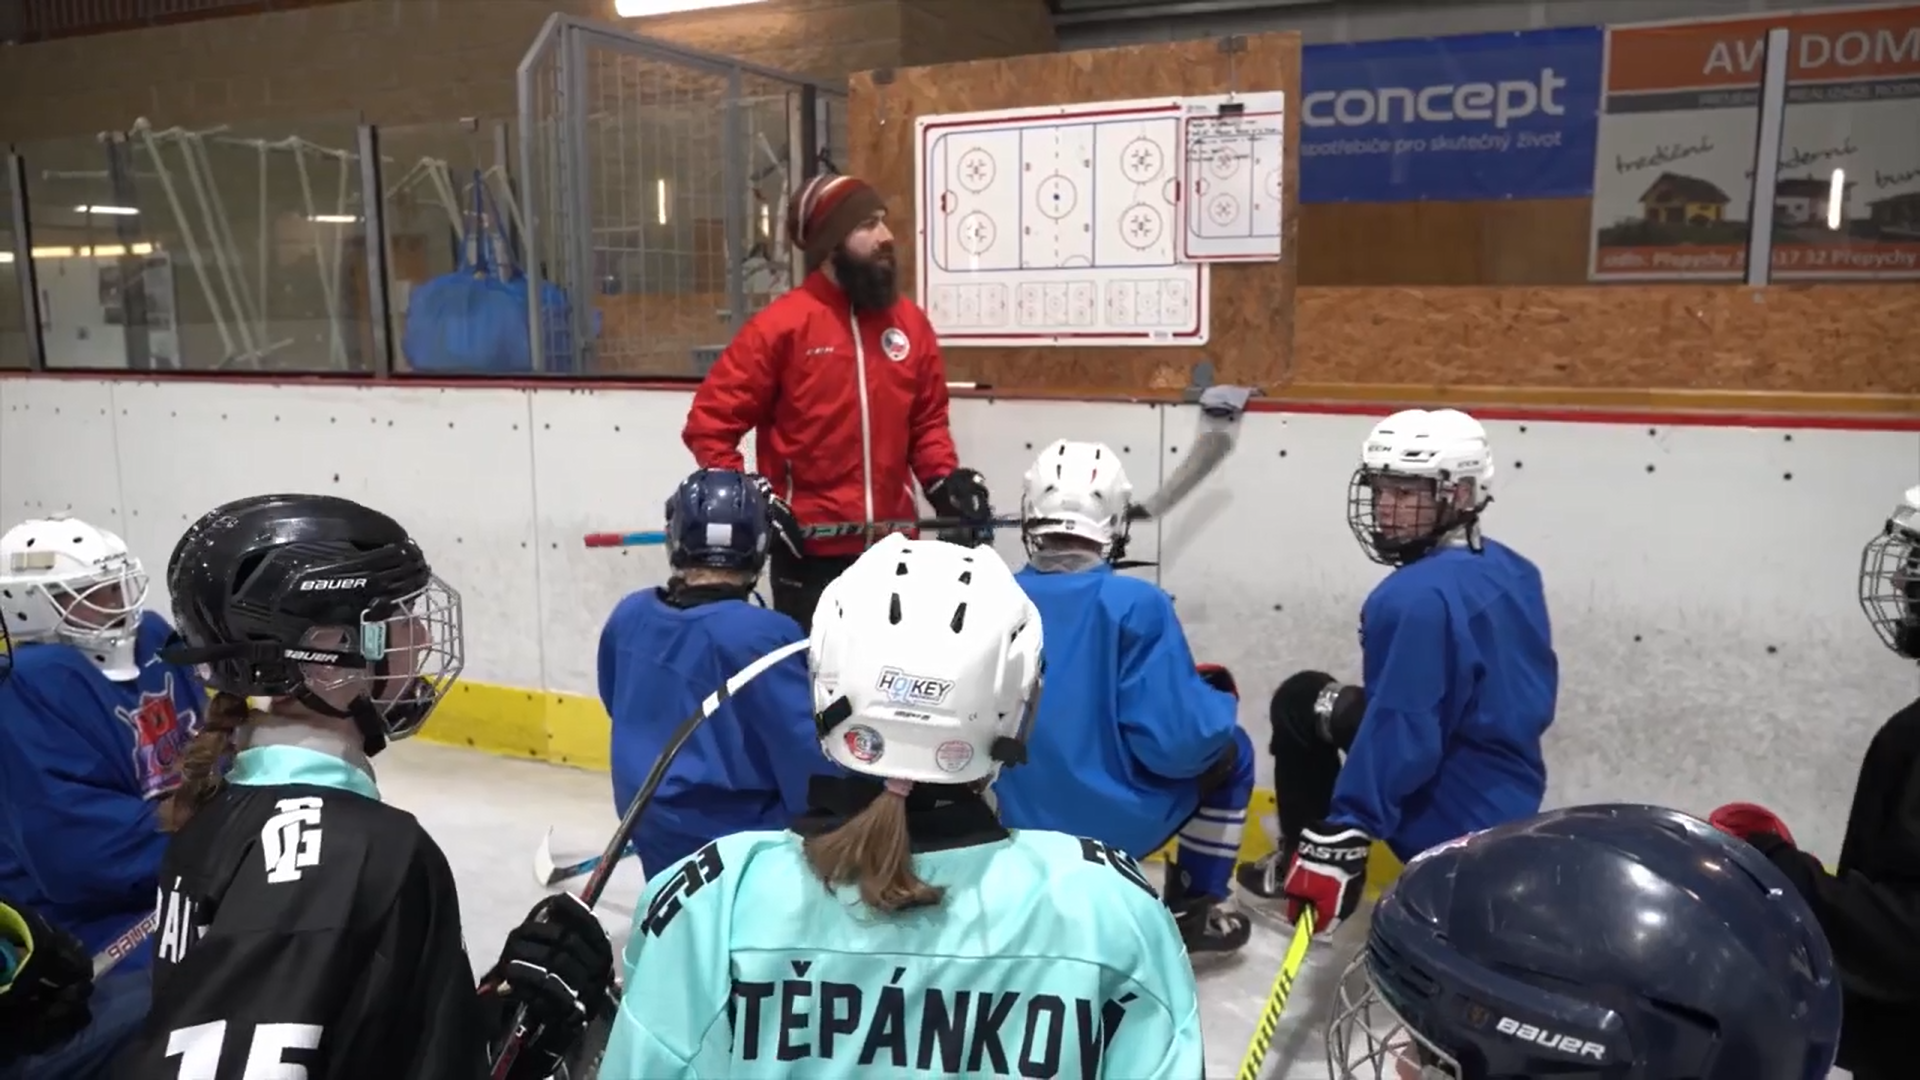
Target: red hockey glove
(1747, 820)
(1328, 874)
(1218, 677)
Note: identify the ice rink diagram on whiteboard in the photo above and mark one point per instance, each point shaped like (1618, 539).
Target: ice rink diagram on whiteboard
(1057, 225)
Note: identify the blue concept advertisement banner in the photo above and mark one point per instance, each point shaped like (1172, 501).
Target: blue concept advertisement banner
(1452, 119)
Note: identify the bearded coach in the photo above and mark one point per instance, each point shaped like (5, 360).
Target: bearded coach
(842, 384)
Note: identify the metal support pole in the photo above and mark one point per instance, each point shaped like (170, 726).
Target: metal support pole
(131, 264)
(809, 141)
(575, 140)
(23, 262)
(734, 151)
(374, 217)
(1766, 162)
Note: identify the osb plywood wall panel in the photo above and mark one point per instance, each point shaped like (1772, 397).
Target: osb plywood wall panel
(1251, 341)
(1522, 242)
(1854, 339)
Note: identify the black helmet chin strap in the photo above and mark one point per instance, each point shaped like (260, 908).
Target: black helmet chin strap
(372, 726)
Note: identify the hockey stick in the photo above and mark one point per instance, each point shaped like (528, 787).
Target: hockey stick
(122, 947)
(623, 835)
(1256, 1056)
(548, 874)
(657, 537)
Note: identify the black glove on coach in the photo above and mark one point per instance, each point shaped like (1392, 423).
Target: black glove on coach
(963, 494)
(780, 520)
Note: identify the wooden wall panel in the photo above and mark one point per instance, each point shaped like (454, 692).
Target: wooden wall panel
(1252, 315)
(1839, 339)
(1521, 242)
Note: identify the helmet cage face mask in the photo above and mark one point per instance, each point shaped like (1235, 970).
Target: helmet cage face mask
(1890, 582)
(1368, 1040)
(399, 660)
(66, 594)
(1398, 517)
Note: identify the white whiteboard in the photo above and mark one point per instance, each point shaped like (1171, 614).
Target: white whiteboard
(1235, 152)
(1056, 226)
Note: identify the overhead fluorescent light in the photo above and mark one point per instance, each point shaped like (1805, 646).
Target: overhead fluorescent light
(660, 199)
(98, 251)
(640, 9)
(126, 211)
(1837, 199)
(333, 219)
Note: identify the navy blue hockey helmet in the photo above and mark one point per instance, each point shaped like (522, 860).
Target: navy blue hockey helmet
(1592, 943)
(717, 518)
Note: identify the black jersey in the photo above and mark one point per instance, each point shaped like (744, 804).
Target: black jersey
(1870, 908)
(303, 922)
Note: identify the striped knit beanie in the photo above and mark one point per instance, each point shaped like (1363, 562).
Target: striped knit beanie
(826, 210)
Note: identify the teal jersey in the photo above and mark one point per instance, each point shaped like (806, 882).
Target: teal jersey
(1049, 956)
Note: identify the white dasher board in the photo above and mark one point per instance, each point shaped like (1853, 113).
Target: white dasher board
(1056, 225)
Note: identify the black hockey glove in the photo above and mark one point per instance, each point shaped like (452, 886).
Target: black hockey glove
(784, 527)
(962, 494)
(559, 964)
(45, 1002)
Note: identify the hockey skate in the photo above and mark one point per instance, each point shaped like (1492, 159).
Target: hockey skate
(1207, 923)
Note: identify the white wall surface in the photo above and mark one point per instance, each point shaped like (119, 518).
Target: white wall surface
(1701, 579)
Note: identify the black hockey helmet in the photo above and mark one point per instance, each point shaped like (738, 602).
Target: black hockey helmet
(319, 599)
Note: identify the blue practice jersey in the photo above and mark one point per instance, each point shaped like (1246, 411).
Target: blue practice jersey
(1460, 680)
(1125, 723)
(83, 764)
(1048, 956)
(747, 767)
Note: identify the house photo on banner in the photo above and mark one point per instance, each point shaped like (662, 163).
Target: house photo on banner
(1680, 130)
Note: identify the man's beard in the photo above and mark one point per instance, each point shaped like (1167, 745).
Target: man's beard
(869, 283)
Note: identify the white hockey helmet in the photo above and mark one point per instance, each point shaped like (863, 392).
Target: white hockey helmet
(63, 580)
(1076, 489)
(1423, 475)
(1890, 578)
(926, 663)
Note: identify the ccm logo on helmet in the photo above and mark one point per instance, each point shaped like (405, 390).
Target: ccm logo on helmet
(1552, 1040)
(334, 583)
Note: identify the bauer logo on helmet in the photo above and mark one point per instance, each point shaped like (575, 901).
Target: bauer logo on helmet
(908, 689)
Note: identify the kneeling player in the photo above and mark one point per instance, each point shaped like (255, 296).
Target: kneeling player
(1460, 685)
(1133, 743)
(665, 649)
(308, 929)
(1870, 909)
(900, 929)
(90, 724)
(1589, 943)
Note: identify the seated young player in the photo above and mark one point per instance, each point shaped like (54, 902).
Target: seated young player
(1870, 908)
(665, 649)
(308, 929)
(1592, 943)
(1134, 744)
(1460, 679)
(93, 721)
(899, 929)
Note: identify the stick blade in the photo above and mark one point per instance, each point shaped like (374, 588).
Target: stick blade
(544, 872)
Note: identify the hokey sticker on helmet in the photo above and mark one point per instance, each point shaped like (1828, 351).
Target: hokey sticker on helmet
(910, 689)
(1552, 1040)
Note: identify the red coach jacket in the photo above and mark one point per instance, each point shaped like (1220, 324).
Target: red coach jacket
(847, 410)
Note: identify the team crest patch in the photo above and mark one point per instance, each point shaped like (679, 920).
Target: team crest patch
(865, 744)
(160, 732)
(895, 344)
